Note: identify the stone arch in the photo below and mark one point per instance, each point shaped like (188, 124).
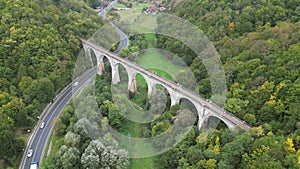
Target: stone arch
(138, 76)
(150, 83)
(165, 92)
(212, 121)
(187, 99)
(122, 71)
(186, 103)
(91, 55)
(198, 106)
(174, 95)
(139, 88)
(102, 62)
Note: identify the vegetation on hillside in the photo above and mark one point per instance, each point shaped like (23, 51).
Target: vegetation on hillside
(260, 56)
(258, 42)
(86, 140)
(38, 46)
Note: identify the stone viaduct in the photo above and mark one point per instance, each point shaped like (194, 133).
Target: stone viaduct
(205, 108)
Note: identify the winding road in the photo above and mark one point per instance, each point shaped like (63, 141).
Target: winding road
(39, 137)
(124, 41)
(106, 9)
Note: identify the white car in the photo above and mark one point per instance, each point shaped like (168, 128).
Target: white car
(75, 84)
(29, 153)
(42, 125)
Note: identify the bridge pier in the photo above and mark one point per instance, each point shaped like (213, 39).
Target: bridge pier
(132, 87)
(101, 68)
(201, 124)
(87, 52)
(100, 64)
(200, 112)
(115, 79)
(150, 84)
(202, 117)
(175, 98)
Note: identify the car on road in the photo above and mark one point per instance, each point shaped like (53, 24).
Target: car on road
(75, 84)
(29, 152)
(42, 125)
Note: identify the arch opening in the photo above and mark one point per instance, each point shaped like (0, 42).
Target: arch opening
(103, 65)
(213, 122)
(123, 74)
(157, 103)
(159, 99)
(188, 105)
(122, 85)
(138, 93)
(92, 57)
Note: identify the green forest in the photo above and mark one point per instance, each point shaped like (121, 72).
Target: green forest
(261, 64)
(258, 44)
(39, 44)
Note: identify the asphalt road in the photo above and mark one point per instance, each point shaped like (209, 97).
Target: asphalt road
(105, 10)
(124, 41)
(40, 136)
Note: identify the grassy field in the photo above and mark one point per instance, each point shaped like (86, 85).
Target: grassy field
(162, 73)
(144, 23)
(150, 37)
(141, 82)
(128, 16)
(140, 5)
(140, 28)
(136, 130)
(139, 22)
(137, 5)
(144, 163)
(118, 5)
(153, 59)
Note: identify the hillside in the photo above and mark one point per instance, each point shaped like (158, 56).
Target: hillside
(258, 42)
(38, 46)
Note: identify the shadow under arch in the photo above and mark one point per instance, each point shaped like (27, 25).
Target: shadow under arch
(123, 74)
(138, 91)
(214, 122)
(160, 100)
(187, 104)
(92, 57)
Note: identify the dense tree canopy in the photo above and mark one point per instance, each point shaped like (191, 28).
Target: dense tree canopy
(38, 46)
(258, 42)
